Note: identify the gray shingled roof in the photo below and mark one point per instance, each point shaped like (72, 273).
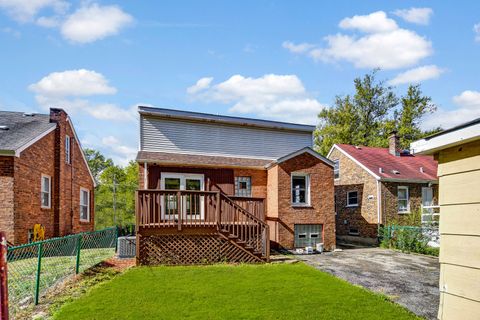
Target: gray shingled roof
(21, 129)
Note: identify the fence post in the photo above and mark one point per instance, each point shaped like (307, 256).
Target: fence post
(39, 269)
(79, 247)
(3, 277)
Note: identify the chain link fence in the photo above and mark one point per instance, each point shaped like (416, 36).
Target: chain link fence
(35, 267)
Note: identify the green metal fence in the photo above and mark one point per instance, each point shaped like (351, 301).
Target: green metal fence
(35, 267)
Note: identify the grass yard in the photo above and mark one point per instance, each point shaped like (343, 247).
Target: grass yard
(280, 291)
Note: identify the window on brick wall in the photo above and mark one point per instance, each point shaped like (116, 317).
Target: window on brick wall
(300, 189)
(68, 157)
(243, 186)
(46, 193)
(336, 169)
(403, 200)
(84, 204)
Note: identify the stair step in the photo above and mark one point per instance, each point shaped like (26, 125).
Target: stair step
(248, 247)
(232, 237)
(241, 242)
(224, 231)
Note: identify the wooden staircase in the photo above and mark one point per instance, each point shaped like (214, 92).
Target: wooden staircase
(191, 227)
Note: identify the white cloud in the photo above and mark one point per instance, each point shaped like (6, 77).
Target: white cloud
(79, 82)
(200, 85)
(476, 29)
(15, 33)
(468, 103)
(121, 153)
(417, 75)
(415, 15)
(94, 22)
(48, 22)
(66, 90)
(281, 97)
(372, 23)
(25, 10)
(297, 48)
(384, 46)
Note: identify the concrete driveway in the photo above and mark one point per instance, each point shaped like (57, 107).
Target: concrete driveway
(408, 279)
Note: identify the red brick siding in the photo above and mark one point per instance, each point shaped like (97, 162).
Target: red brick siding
(7, 197)
(364, 218)
(390, 203)
(321, 209)
(34, 161)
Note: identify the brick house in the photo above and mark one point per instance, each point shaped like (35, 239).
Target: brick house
(378, 186)
(234, 183)
(44, 176)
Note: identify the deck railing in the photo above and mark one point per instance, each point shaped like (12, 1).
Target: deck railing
(191, 208)
(255, 206)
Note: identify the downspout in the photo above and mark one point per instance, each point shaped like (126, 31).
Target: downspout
(379, 206)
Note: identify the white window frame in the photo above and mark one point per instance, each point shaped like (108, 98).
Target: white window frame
(83, 205)
(336, 171)
(68, 148)
(407, 199)
(307, 189)
(350, 205)
(49, 191)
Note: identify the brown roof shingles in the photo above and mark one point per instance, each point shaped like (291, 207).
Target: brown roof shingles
(200, 160)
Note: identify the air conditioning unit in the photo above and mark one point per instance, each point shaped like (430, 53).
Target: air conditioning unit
(126, 247)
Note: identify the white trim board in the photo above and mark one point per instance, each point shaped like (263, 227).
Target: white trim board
(31, 142)
(299, 152)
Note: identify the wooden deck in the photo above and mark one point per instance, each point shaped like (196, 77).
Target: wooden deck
(226, 228)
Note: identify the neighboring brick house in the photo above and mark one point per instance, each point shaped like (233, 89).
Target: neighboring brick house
(268, 168)
(379, 186)
(44, 176)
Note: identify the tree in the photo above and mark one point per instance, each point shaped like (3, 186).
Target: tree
(408, 118)
(97, 162)
(115, 191)
(360, 119)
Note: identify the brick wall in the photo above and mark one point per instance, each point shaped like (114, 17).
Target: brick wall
(364, 217)
(321, 209)
(6, 197)
(71, 178)
(34, 161)
(390, 203)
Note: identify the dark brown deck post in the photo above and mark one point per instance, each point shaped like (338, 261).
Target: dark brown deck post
(217, 211)
(179, 210)
(3, 277)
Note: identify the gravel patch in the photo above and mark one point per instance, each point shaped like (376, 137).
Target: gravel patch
(408, 279)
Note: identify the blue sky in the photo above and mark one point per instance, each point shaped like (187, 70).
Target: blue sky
(282, 60)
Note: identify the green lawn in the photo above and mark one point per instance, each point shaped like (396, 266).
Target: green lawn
(230, 292)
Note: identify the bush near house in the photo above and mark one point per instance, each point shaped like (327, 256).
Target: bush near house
(406, 239)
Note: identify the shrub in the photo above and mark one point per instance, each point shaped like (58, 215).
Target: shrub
(406, 239)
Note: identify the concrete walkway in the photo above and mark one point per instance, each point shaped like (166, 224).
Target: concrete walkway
(408, 279)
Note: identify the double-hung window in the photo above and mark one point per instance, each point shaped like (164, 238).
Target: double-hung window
(243, 186)
(352, 198)
(46, 192)
(84, 204)
(300, 189)
(403, 200)
(336, 169)
(68, 153)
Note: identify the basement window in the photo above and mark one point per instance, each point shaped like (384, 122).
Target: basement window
(46, 193)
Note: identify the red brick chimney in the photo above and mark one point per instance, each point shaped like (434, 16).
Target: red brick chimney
(394, 144)
(58, 115)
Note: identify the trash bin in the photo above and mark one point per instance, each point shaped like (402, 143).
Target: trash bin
(320, 247)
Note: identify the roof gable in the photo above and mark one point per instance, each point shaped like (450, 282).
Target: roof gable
(299, 152)
(384, 166)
